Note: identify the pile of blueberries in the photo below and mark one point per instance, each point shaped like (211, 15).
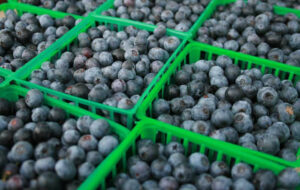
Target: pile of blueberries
(23, 37)
(245, 107)
(253, 28)
(284, 3)
(158, 167)
(78, 7)
(40, 148)
(175, 14)
(109, 67)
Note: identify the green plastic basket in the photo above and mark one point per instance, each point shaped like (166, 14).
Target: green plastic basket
(164, 133)
(196, 51)
(21, 8)
(209, 11)
(205, 14)
(71, 37)
(13, 93)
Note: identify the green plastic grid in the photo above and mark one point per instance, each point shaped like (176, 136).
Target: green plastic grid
(195, 51)
(164, 133)
(205, 14)
(13, 93)
(71, 37)
(21, 8)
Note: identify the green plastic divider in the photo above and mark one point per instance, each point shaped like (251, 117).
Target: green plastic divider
(6, 75)
(21, 8)
(163, 133)
(196, 51)
(13, 93)
(71, 37)
(205, 14)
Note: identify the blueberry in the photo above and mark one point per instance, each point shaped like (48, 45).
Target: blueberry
(264, 179)
(85, 170)
(107, 144)
(98, 94)
(217, 134)
(160, 168)
(69, 124)
(140, 171)
(269, 144)
(76, 154)
(201, 127)
(34, 98)
(6, 39)
(160, 106)
(83, 123)
(241, 170)
(280, 130)
(16, 182)
(199, 162)
(6, 138)
(287, 154)
(24, 114)
(125, 103)
(44, 164)
(242, 122)
(262, 49)
(176, 158)
(27, 169)
(276, 54)
(171, 43)
(147, 150)
(94, 157)
(99, 45)
(242, 184)
(232, 72)
(267, 96)
(99, 128)
(43, 150)
(168, 182)
(120, 179)
(131, 184)
(288, 178)
(285, 113)
(65, 169)
(173, 147)
(295, 41)
(88, 142)
(41, 132)
(221, 182)
(49, 180)
(219, 168)
(21, 151)
(71, 136)
(221, 117)
(234, 93)
(230, 133)
(264, 122)
(195, 88)
(39, 114)
(15, 124)
(23, 134)
(46, 21)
